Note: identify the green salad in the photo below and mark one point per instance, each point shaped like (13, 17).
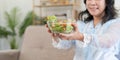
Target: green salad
(59, 26)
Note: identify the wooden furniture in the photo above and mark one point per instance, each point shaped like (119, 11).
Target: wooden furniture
(67, 8)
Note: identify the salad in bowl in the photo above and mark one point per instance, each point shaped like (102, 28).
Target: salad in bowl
(59, 25)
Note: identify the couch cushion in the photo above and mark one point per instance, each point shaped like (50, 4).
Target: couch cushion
(37, 46)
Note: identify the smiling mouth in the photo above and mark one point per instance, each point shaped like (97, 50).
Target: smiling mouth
(93, 8)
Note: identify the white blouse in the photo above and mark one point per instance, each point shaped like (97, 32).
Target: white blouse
(101, 42)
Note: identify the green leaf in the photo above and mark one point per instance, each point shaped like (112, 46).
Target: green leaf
(27, 21)
(4, 32)
(12, 19)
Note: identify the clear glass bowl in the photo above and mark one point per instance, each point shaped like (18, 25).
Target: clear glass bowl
(60, 26)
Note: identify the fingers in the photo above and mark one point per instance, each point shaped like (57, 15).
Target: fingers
(75, 26)
(52, 34)
(64, 36)
(48, 28)
(46, 25)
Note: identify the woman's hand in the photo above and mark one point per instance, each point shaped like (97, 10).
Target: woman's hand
(54, 36)
(76, 35)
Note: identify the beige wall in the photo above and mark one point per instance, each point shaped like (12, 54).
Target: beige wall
(7, 5)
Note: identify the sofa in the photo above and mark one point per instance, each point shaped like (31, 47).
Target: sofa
(37, 45)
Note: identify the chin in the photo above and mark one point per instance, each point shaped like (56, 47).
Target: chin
(94, 14)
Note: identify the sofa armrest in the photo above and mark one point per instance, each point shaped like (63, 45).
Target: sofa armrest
(9, 55)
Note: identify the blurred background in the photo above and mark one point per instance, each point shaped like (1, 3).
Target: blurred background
(16, 15)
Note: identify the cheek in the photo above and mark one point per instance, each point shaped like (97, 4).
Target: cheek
(102, 7)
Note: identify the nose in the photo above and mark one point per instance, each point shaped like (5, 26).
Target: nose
(93, 2)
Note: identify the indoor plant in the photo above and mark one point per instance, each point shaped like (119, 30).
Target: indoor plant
(13, 29)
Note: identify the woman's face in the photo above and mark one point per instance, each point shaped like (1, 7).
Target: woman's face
(96, 7)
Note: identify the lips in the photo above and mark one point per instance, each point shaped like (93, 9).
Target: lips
(93, 8)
